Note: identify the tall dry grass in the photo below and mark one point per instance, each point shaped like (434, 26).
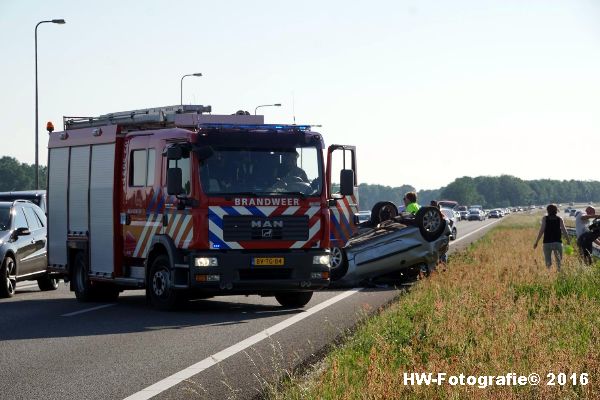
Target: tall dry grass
(497, 309)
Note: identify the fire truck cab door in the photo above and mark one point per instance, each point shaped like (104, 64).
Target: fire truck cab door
(341, 158)
(141, 220)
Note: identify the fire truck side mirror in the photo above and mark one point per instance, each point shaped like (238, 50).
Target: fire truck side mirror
(174, 181)
(347, 182)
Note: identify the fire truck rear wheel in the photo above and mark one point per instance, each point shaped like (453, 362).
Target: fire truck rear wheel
(160, 292)
(294, 299)
(81, 282)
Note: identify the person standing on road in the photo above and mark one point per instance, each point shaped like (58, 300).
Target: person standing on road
(552, 229)
(410, 201)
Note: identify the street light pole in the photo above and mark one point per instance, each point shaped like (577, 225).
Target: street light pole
(267, 105)
(37, 164)
(181, 86)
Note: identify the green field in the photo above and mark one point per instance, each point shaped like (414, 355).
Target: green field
(495, 310)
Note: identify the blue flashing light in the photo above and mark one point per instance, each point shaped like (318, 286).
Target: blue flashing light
(256, 128)
(216, 246)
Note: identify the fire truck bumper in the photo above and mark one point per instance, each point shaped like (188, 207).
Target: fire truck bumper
(257, 272)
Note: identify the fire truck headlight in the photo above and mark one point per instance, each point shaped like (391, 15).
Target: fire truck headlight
(206, 262)
(321, 260)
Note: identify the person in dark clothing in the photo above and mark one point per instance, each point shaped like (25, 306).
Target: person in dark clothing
(443, 256)
(552, 229)
(586, 240)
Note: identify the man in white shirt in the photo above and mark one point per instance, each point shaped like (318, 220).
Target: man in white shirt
(582, 222)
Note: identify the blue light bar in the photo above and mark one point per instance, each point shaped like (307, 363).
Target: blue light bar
(256, 128)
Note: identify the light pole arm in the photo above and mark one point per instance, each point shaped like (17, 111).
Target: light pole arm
(267, 105)
(37, 179)
(181, 90)
(37, 164)
(181, 87)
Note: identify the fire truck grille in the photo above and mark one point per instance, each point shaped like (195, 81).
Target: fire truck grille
(246, 227)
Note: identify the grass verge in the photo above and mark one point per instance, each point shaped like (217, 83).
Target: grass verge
(496, 310)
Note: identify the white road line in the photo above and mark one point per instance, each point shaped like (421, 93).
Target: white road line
(475, 231)
(268, 312)
(216, 358)
(88, 310)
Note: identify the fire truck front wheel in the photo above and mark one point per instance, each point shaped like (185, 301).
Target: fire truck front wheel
(294, 299)
(159, 288)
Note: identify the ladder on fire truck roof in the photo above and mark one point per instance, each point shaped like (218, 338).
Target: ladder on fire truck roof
(158, 116)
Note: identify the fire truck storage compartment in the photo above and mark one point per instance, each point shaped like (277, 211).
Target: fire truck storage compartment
(101, 206)
(90, 188)
(79, 181)
(57, 205)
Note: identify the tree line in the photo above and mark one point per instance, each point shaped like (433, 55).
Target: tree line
(15, 175)
(506, 191)
(489, 191)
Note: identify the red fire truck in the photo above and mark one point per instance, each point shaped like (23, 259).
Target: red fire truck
(187, 204)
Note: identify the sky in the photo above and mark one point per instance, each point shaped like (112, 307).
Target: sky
(428, 91)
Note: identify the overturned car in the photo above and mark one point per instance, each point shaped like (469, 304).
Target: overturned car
(390, 243)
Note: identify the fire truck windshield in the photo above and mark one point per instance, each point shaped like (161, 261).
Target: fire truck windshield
(263, 171)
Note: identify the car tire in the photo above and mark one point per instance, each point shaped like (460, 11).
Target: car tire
(454, 233)
(338, 265)
(8, 286)
(84, 292)
(159, 289)
(294, 299)
(47, 283)
(431, 223)
(383, 211)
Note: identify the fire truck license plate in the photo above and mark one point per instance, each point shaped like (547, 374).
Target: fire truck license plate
(267, 261)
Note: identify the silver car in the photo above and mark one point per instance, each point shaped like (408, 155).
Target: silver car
(23, 247)
(476, 214)
(394, 245)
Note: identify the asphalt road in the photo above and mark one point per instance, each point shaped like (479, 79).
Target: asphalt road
(53, 347)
